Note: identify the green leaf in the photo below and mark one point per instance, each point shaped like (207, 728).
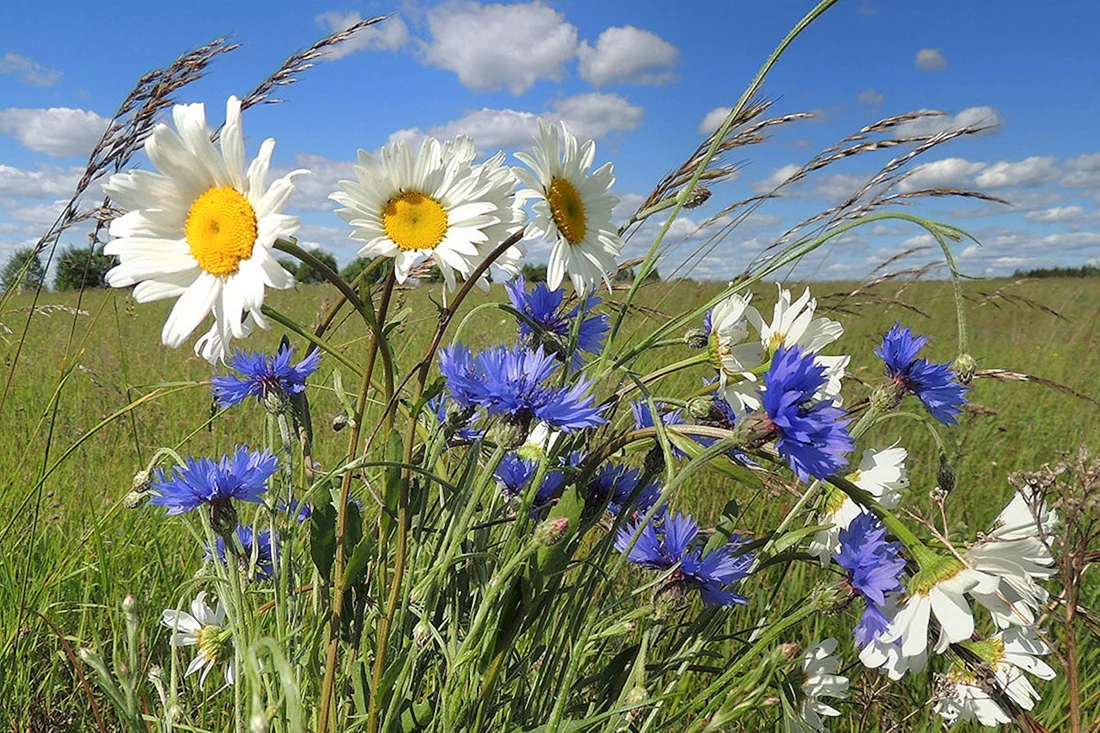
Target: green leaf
(792, 538)
(391, 479)
(720, 464)
(322, 533)
(725, 527)
(360, 556)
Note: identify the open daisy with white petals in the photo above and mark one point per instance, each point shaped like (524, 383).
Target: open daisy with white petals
(413, 206)
(205, 628)
(572, 208)
(201, 230)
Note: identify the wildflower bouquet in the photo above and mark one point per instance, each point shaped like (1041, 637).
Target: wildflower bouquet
(508, 542)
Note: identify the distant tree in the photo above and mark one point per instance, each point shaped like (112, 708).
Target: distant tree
(435, 275)
(14, 276)
(1083, 271)
(289, 265)
(307, 274)
(534, 273)
(82, 267)
(353, 268)
(628, 275)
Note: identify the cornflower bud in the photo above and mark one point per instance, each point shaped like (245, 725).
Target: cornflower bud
(551, 531)
(696, 338)
(964, 367)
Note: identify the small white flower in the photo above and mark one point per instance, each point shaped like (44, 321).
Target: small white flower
(881, 474)
(959, 700)
(410, 207)
(939, 590)
(730, 353)
(205, 628)
(1015, 554)
(820, 679)
(572, 208)
(511, 211)
(201, 230)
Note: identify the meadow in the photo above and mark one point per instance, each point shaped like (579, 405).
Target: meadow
(70, 551)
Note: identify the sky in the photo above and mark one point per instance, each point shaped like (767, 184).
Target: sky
(647, 80)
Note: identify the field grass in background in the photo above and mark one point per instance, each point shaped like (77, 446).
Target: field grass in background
(69, 551)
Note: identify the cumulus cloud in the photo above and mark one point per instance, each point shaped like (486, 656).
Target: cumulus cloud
(388, 35)
(500, 46)
(311, 192)
(61, 132)
(592, 115)
(28, 71)
(628, 54)
(39, 183)
(1058, 214)
(946, 173)
(1082, 171)
(931, 59)
(775, 179)
(1032, 171)
(870, 97)
(713, 119)
(984, 117)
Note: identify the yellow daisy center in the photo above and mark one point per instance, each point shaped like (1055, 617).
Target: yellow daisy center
(221, 230)
(414, 221)
(568, 209)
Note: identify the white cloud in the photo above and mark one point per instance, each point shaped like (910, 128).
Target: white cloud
(1082, 171)
(870, 97)
(388, 35)
(1032, 171)
(500, 46)
(311, 192)
(984, 116)
(28, 71)
(58, 131)
(776, 179)
(592, 115)
(1059, 214)
(44, 181)
(931, 59)
(628, 54)
(946, 173)
(713, 119)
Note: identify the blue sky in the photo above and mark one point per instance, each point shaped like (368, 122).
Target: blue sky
(639, 77)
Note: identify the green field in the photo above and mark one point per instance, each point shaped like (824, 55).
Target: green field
(69, 551)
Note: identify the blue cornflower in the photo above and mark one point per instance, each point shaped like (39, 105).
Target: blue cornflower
(514, 474)
(616, 484)
(512, 383)
(874, 567)
(544, 306)
(934, 384)
(265, 559)
(262, 376)
(812, 437)
(708, 322)
(300, 510)
(665, 547)
(242, 476)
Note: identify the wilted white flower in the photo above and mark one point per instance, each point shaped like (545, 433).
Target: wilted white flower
(819, 679)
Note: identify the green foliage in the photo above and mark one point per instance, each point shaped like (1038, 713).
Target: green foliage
(628, 275)
(534, 273)
(24, 271)
(306, 274)
(1082, 271)
(289, 264)
(82, 267)
(353, 268)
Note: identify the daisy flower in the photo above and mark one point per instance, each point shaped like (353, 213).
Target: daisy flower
(933, 384)
(572, 208)
(792, 324)
(964, 694)
(205, 628)
(411, 206)
(511, 211)
(202, 229)
(735, 358)
(819, 679)
(811, 436)
(1015, 554)
(881, 474)
(263, 376)
(712, 575)
(876, 652)
(938, 588)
